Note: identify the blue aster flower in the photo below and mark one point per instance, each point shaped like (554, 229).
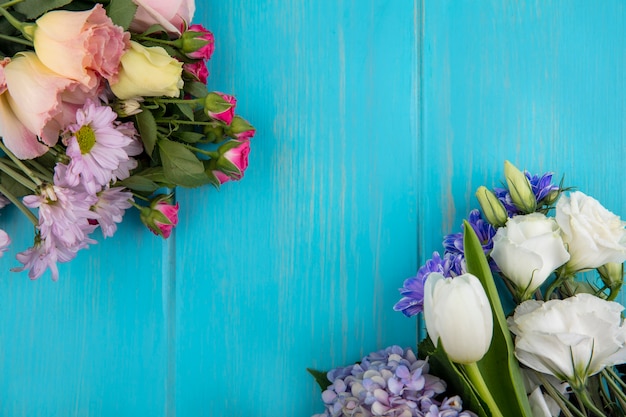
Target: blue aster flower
(542, 188)
(412, 291)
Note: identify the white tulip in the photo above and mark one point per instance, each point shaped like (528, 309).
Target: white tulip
(528, 250)
(571, 339)
(457, 313)
(594, 235)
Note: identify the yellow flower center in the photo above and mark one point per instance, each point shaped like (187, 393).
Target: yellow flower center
(86, 138)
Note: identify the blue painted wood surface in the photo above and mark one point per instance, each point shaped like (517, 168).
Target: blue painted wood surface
(376, 122)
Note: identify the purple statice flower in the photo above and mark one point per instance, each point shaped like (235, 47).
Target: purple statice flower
(391, 382)
(110, 208)
(412, 291)
(96, 146)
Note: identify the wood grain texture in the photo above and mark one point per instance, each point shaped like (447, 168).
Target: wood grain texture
(376, 122)
(298, 265)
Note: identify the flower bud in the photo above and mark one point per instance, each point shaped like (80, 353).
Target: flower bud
(492, 207)
(129, 107)
(520, 189)
(197, 42)
(232, 162)
(220, 106)
(240, 129)
(612, 274)
(161, 216)
(214, 132)
(458, 315)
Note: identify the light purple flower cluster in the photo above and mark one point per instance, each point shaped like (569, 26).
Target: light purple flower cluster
(391, 382)
(99, 151)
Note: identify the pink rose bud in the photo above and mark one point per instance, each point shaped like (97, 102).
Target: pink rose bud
(197, 42)
(233, 161)
(220, 106)
(197, 70)
(161, 217)
(240, 129)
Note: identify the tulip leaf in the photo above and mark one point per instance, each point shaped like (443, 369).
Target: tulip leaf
(320, 378)
(180, 165)
(499, 367)
(32, 9)
(122, 12)
(147, 129)
(457, 383)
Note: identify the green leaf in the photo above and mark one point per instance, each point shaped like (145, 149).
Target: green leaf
(32, 9)
(320, 378)
(196, 89)
(139, 183)
(180, 165)
(189, 137)
(122, 12)
(147, 129)
(499, 367)
(157, 175)
(457, 383)
(186, 110)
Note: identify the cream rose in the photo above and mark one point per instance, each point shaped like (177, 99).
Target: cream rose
(173, 15)
(528, 250)
(81, 46)
(148, 72)
(594, 236)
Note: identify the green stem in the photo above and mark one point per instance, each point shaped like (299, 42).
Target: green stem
(583, 396)
(185, 122)
(155, 40)
(476, 378)
(615, 387)
(21, 26)
(19, 205)
(10, 3)
(4, 167)
(16, 40)
(46, 174)
(561, 278)
(196, 101)
(568, 408)
(26, 170)
(213, 155)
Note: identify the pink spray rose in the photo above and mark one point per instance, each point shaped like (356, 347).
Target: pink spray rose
(161, 217)
(197, 42)
(173, 15)
(220, 106)
(233, 162)
(197, 70)
(81, 46)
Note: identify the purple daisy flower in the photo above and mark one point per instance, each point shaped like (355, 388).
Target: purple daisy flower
(412, 291)
(110, 208)
(96, 147)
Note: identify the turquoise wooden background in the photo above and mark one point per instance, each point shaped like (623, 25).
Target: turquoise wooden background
(376, 122)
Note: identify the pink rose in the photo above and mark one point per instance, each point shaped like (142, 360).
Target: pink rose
(233, 162)
(81, 46)
(21, 141)
(240, 129)
(36, 102)
(197, 70)
(220, 106)
(197, 42)
(173, 15)
(161, 217)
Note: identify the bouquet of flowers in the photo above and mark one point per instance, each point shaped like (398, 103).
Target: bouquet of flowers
(519, 312)
(104, 106)
(558, 348)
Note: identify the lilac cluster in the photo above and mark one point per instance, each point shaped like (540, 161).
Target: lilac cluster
(391, 382)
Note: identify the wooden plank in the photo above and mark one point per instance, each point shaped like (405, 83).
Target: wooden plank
(298, 265)
(538, 83)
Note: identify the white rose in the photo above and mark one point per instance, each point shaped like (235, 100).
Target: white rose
(458, 314)
(594, 236)
(571, 339)
(528, 250)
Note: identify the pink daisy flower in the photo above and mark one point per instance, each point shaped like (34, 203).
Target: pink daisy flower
(110, 208)
(96, 147)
